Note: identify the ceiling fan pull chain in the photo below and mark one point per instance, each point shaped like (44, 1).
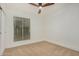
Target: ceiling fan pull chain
(39, 11)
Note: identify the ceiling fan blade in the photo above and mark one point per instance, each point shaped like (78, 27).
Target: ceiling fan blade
(34, 4)
(39, 11)
(48, 4)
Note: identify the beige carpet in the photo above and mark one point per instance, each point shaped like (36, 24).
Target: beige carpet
(43, 48)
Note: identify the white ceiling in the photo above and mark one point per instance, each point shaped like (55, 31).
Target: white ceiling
(25, 7)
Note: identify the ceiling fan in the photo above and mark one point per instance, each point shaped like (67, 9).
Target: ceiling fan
(41, 5)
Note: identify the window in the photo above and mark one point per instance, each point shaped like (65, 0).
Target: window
(21, 28)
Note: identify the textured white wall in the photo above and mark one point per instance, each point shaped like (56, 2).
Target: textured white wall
(35, 30)
(0, 20)
(0, 31)
(63, 26)
(59, 24)
(35, 25)
(2, 41)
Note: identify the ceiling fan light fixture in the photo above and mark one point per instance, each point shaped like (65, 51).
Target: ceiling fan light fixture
(40, 7)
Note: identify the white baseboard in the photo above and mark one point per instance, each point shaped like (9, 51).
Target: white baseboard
(63, 45)
(15, 44)
(30, 42)
(18, 44)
